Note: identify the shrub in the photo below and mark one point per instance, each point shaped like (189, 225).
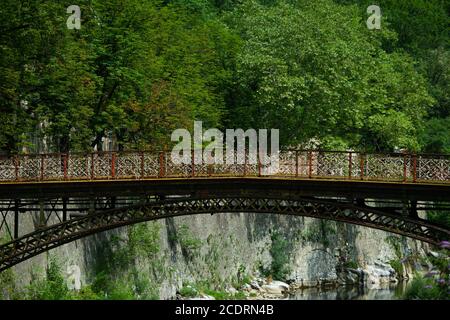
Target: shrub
(86, 293)
(280, 257)
(188, 291)
(350, 265)
(53, 287)
(397, 266)
(425, 289)
(435, 284)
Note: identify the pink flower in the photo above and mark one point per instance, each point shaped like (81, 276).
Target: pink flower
(430, 274)
(444, 244)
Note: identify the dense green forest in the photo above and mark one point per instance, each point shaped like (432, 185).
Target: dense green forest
(138, 69)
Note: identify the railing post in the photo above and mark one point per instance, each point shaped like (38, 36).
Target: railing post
(404, 167)
(142, 164)
(161, 164)
(361, 165)
(65, 162)
(350, 165)
(113, 165)
(296, 163)
(310, 164)
(414, 168)
(92, 167)
(16, 167)
(193, 163)
(42, 167)
(258, 157)
(245, 162)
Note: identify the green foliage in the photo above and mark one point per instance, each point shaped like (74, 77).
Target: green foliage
(422, 31)
(4, 239)
(279, 251)
(397, 265)
(439, 217)
(435, 65)
(425, 289)
(436, 283)
(189, 243)
(134, 71)
(143, 239)
(53, 287)
(332, 79)
(395, 243)
(86, 293)
(320, 231)
(188, 291)
(137, 70)
(420, 24)
(8, 288)
(142, 242)
(121, 291)
(187, 239)
(101, 282)
(124, 258)
(351, 265)
(435, 135)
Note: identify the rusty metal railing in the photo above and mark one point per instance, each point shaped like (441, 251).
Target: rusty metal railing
(309, 164)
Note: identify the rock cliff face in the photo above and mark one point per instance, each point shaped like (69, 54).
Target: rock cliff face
(223, 249)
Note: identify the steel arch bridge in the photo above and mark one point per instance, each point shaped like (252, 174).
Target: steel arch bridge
(73, 196)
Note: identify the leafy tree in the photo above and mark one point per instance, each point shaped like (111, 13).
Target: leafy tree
(135, 71)
(435, 136)
(29, 37)
(422, 28)
(420, 24)
(314, 70)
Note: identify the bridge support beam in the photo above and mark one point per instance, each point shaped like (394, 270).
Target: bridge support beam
(16, 218)
(42, 220)
(91, 209)
(113, 202)
(413, 210)
(64, 209)
(58, 234)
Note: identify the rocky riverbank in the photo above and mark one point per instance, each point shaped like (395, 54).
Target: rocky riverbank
(376, 277)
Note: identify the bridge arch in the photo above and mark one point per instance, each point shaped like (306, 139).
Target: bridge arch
(45, 239)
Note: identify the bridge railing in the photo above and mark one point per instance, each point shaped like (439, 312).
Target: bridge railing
(311, 164)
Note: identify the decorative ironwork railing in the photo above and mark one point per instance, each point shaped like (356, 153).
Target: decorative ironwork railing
(400, 167)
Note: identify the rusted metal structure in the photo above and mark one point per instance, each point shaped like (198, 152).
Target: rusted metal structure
(402, 167)
(72, 196)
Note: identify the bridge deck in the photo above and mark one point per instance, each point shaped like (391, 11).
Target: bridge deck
(273, 185)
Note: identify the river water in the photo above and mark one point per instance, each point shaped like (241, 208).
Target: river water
(390, 292)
